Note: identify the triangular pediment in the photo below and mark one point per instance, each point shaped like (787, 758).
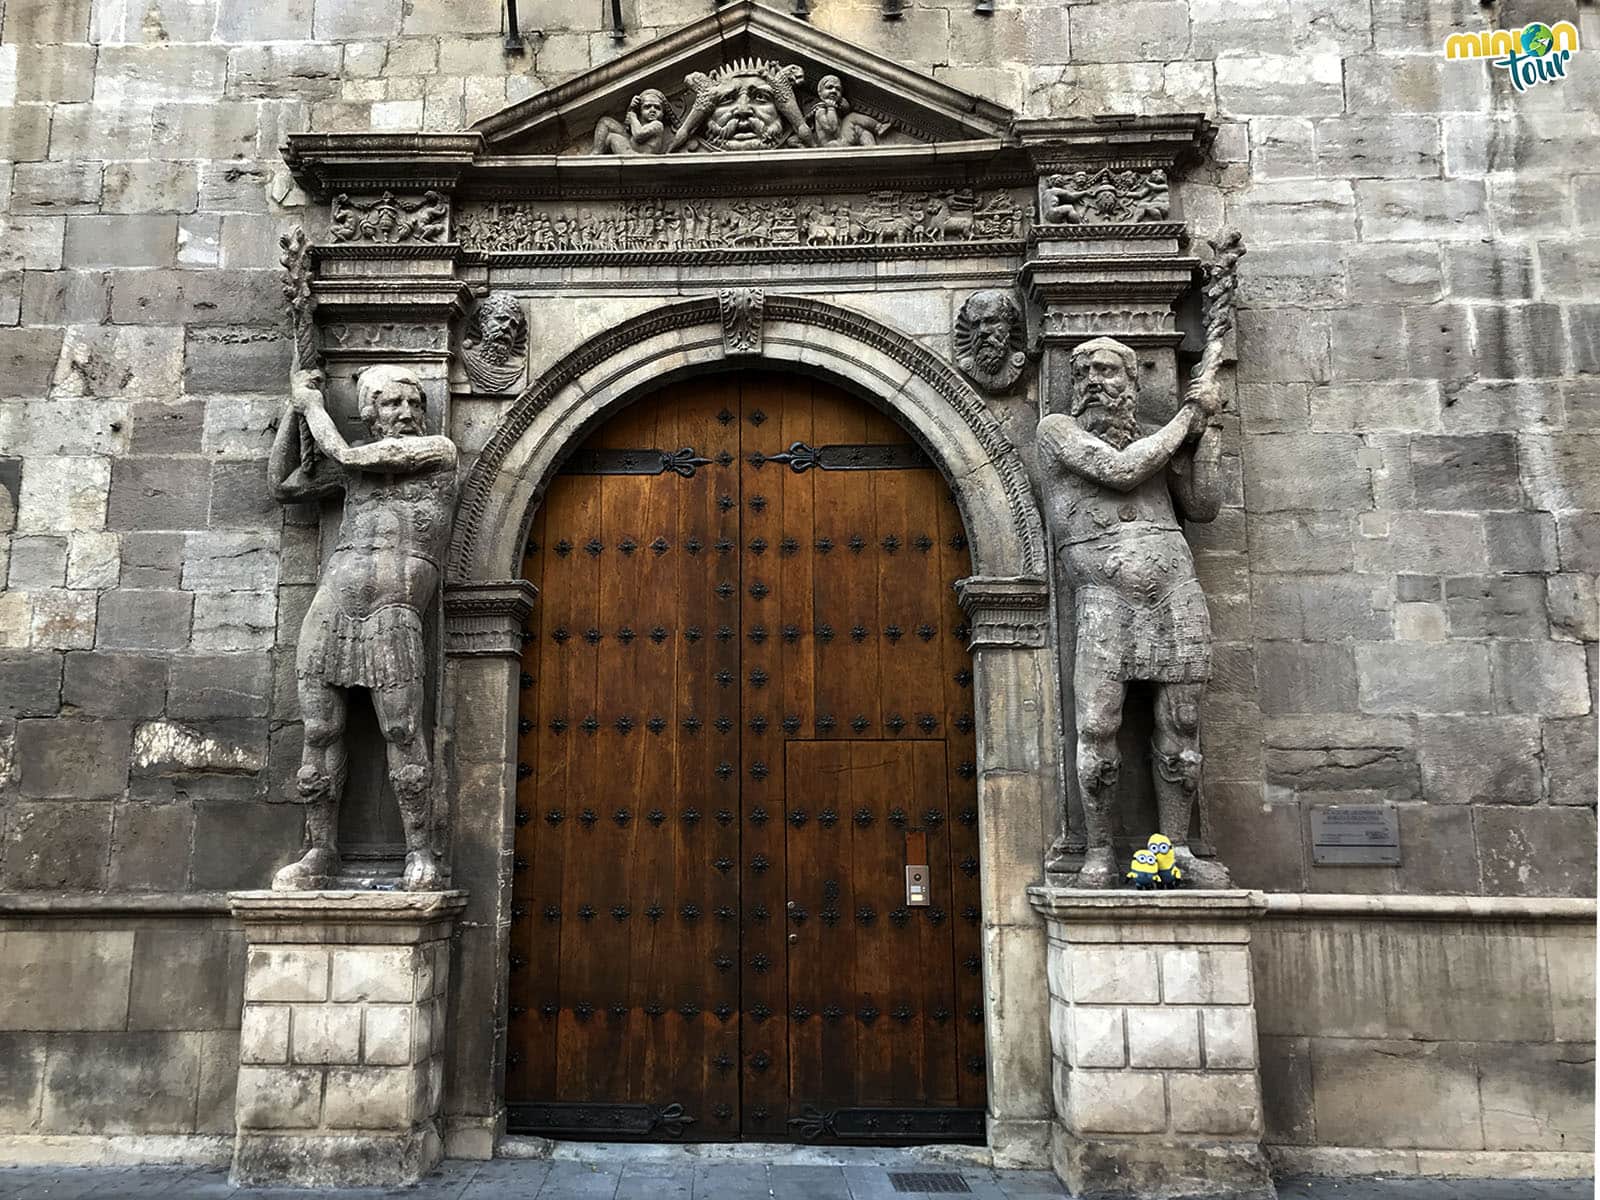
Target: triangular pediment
(713, 66)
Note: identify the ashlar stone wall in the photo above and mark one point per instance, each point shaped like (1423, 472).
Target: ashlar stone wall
(1404, 582)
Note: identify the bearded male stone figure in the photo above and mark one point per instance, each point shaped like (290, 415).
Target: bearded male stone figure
(1113, 499)
(364, 626)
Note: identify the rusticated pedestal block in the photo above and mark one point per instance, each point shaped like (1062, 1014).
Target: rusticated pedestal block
(1153, 1040)
(341, 1045)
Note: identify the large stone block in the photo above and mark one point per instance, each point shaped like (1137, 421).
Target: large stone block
(1506, 606)
(28, 360)
(41, 22)
(278, 1097)
(151, 74)
(1519, 340)
(1570, 761)
(1415, 342)
(1305, 677)
(21, 1080)
(1403, 147)
(1537, 851)
(1480, 760)
(1470, 473)
(1224, 1104)
(43, 188)
(1562, 473)
(72, 759)
(1117, 1101)
(113, 361)
(121, 241)
(152, 21)
(1550, 678)
(455, 17)
(56, 846)
(1536, 1097)
(1298, 211)
(225, 685)
(343, 20)
(234, 359)
(228, 621)
(65, 979)
(64, 297)
(150, 187)
(1141, 31)
(1422, 543)
(1284, 345)
(1159, 1036)
(1305, 471)
(159, 493)
(90, 1079)
(1303, 85)
(1360, 407)
(242, 843)
(1383, 83)
(151, 846)
(251, 21)
(230, 562)
(37, 562)
(325, 1034)
(144, 620)
(186, 979)
(30, 684)
(1406, 677)
(1320, 608)
(1396, 1093)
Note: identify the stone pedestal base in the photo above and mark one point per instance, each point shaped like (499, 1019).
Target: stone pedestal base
(341, 1043)
(1153, 1037)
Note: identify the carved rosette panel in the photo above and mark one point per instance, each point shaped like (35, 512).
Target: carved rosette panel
(950, 220)
(390, 220)
(1112, 195)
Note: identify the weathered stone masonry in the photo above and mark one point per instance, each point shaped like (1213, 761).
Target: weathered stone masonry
(1402, 579)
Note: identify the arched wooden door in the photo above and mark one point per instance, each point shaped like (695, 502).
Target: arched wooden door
(746, 711)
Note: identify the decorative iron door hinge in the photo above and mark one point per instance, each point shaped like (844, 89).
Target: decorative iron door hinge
(635, 462)
(889, 1124)
(800, 457)
(606, 1121)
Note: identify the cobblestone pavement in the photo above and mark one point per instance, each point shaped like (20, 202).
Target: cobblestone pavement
(523, 1180)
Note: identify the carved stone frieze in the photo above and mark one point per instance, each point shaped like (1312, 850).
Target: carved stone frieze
(991, 339)
(494, 348)
(748, 104)
(885, 218)
(1109, 196)
(742, 313)
(388, 220)
(1005, 612)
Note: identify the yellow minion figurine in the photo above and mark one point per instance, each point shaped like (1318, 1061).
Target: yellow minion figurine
(1143, 873)
(1167, 868)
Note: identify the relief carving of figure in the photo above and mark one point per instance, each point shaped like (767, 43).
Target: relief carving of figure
(648, 127)
(991, 339)
(1113, 499)
(495, 344)
(364, 627)
(833, 122)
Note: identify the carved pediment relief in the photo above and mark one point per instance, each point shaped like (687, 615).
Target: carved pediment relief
(745, 79)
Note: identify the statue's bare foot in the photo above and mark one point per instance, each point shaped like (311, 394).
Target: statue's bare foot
(422, 872)
(312, 872)
(1204, 873)
(1099, 869)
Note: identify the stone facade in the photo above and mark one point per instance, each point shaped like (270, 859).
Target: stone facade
(1402, 576)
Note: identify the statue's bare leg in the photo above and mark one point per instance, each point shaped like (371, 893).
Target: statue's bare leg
(323, 766)
(411, 776)
(1099, 713)
(1176, 759)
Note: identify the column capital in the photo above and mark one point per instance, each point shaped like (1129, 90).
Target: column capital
(486, 619)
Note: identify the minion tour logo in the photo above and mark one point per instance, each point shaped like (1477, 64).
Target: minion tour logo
(1535, 54)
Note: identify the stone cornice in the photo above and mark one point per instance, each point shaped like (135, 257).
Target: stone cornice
(487, 619)
(1005, 612)
(1057, 144)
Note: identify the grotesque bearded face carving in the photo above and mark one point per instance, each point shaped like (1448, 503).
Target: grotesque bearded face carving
(499, 326)
(391, 402)
(990, 339)
(1105, 388)
(745, 115)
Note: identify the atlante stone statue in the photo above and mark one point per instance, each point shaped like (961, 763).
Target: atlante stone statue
(1113, 497)
(364, 626)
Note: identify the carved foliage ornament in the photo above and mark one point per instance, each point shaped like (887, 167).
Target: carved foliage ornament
(749, 104)
(742, 312)
(388, 221)
(1108, 196)
(495, 345)
(991, 337)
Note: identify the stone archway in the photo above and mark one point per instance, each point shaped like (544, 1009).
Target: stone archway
(1006, 601)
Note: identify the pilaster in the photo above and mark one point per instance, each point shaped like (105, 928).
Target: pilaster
(341, 1045)
(1153, 1040)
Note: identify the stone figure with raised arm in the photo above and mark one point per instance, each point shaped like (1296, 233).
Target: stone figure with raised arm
(1113, 499)
(364, 627)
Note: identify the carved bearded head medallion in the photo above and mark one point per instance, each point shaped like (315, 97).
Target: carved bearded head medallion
(496, 343)
(991, 339)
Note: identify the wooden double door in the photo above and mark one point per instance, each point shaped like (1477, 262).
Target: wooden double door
(746, 711)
